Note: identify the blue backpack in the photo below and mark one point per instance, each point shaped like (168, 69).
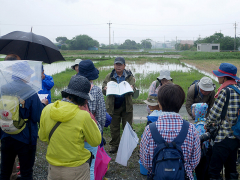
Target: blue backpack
(168, 160)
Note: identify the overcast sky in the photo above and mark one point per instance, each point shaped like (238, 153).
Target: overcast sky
(158, 20)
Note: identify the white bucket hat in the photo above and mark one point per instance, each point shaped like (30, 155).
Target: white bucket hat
(164, 74)
(206, 84)
(77, 61)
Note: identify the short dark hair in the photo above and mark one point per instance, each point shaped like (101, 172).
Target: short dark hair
(229, 78)
(12, 57)
(171, 97)
(78, 100)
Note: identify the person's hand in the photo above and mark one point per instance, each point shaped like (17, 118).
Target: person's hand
(105, 88)
(45, 101)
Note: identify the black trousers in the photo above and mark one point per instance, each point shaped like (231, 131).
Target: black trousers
(10, 148)
(224, 153)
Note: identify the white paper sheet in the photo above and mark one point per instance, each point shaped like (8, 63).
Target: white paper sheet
(42, 96)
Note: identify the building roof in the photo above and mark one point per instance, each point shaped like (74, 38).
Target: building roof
(191, 42)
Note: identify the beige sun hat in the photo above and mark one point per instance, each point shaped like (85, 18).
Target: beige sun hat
(77, 61)
(152, 100)
(206, 84)
(164, 74)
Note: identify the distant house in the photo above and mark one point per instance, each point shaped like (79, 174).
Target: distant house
(207, 47)
(93, 48)
(189, 42)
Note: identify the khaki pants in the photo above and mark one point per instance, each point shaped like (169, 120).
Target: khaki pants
(118, 115)
(69, 173)
(14, 171)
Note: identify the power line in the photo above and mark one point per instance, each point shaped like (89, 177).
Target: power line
(54, 25)
(170, 25)
(114, 24)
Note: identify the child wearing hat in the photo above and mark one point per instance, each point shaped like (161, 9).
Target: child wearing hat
(226, 145)
(154, 108)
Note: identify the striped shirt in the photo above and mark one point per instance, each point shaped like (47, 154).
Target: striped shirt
(153, 89)
(169, 125)
(97, 106)
(232, 111)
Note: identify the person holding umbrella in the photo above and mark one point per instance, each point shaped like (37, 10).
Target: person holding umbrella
(12, 57)
(21, 143)
(15, 174)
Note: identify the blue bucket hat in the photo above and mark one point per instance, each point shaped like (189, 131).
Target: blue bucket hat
(226, 69)
(87, 69)
(21, 70)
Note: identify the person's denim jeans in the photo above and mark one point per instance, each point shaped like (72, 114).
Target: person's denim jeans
(94, 152)
(10, 148)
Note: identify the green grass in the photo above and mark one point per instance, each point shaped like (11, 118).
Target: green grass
(139, 128)
(61, 80)
(183, 79)
(116, 51)
(194, 55)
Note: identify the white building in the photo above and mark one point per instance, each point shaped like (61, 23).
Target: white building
(207, 47)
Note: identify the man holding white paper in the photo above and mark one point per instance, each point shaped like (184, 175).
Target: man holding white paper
(120, 107)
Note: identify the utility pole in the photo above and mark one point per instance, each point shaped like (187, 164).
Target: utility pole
(235, 26)
(109, 35)
(113, 37)
(176, 44)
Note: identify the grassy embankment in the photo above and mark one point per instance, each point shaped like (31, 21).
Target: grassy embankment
(116, 51)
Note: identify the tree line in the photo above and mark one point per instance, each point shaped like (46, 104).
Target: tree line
(226, 42)
(84, 42)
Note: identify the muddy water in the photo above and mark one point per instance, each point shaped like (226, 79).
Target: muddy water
(58, 67)
(150, 67)
(143, 69)
(125, 56)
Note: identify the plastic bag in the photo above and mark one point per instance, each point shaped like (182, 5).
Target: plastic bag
(101, 163)
(127, 144)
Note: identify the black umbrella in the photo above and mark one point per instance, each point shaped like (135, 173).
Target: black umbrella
(29, 46)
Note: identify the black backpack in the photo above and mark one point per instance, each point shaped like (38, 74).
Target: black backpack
(168, 159)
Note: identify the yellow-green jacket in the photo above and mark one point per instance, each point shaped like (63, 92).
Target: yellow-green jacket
(66, 146)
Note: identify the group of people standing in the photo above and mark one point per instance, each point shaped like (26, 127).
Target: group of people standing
(73, 126)
(209, 109)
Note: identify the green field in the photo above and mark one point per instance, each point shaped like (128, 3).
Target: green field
(184, 79)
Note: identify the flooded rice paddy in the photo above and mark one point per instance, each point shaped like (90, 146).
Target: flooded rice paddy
(122, 55)
(140, 71)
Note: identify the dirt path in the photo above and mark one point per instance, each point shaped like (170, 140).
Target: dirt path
(209, 65)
